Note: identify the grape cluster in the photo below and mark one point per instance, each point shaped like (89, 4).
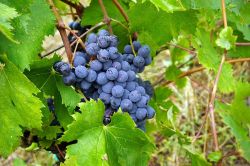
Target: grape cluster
(101, 72)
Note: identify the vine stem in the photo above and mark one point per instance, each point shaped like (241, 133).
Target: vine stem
(106, 18)
(61, 29)
(119, 7)
(242, 44)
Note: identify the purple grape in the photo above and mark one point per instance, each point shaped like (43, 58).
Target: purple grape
(131, 75)
(81, 71)
(101, 78)
(135, 96)
(103, 32)
(115, 102)
(143, 102)
(150, 112)
(148, 61)
(139, 61)
(137, 45)
(133, 116)
(96, 65)
(117, 65)
(57, 65)
(92, 49)
(125, 94)
(123, 84)
(131, 86)
(103, 41)
(113, 41)
(144, 51)
(141, 90)
(113, 52)
(103, 55)
(92, 38)
(92, 75)
(117, 91)
(134, 68)
(126, 105)
(128, 49)
(105, 97)
(69, 79)
(130, 58)
(85, 85)
(107, 88)
(122, 76)
(141, 69)
(107, 65)
(141, 113)
(112, 73)
(125, 66)
(65, 69)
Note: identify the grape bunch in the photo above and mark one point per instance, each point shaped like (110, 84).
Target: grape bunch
(101, 72)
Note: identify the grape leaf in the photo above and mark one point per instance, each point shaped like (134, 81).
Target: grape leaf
(196, 158)
(93, 14)
(226, 39)
(35, 21)
(153, 22)
(209, 58)
(118, 143)
(6, 15)
(168, 5)
(19, 107)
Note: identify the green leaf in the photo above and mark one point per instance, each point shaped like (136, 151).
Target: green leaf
(19, 107)
(226, 39)
(237, 116)
(196, 158)
(214, 156)
(6, 15)
(118, 143)
(168, 5)
(18, 162)
(210, 59)
(35, 21)
(69, 96)
(172, 73)
(161, 26)
(93, 14)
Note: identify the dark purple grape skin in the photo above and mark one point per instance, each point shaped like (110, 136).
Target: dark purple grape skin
(112, 73)
(85, 85)
(143, 102)
(150, 112)
(92, 75)
(103, 41)
(107, 65)
(137, 45)
(105, 97)
(101, 78)
(117, 65)
(92, 49)
(92, 38)
(128, 49)
(141, 113)
(115, 102)
(107, 88)
(135, 96)
(131, 75)
(122, 76)
(126, 105)
(144, 51)
(81, 71)
(113, 41)
(103, 55)
(131, 86)
(69, 79)
(139, 61)
(125, 66)
(103, 32)
(65, 69)
(117, 91)
(96, 65)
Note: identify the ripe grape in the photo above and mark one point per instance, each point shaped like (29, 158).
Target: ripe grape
(113, 41)
(144, 51)
(85, 85)
(141, 113)
(125, 66)
(92, 38)
(103, 41)
(105, 97)
(137, 45)
(115, 102)
(135, 96)
(81, 71)
(126, 105)
(150, 112)
(101, 78)
(96, 65)
(103, 55)
(128, 49)
(92, 49)
(117, 91)
(108, 87)
(143, 102)
(92, 75)
(122, 76)
(103, 32)
(69, 79)
(112, 73)
(131, 85)
(117, 65)
(139, 61)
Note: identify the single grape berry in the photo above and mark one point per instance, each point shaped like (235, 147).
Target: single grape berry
(131, 86)
(115, 102)
(139, 61)
(135, 96)
(122, 76)
(92, 38)
(103, 55)
(113, 41)
(125, 66)
(107, 65)
(148, 60)
(101, 78)
(81, 71)
(150, 112)
(105, 97)
(92, 49)
(57, 65)
(117, 65)
(143, 102)
(92, 75)
(128, 49)
(65, 69)
(96, 65)
(131, 75)
(134, 68)
(107, 88)
(112, 73)
(103, 32)
(113, 52)
(103, 41)
(125, 94)
(69, 79)
(126, 105)
(129, 58)
(141, 113)
(123, 84)
(141, 90)
(117, 91)
(137, 45)
(144, 51)
(85, 85)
